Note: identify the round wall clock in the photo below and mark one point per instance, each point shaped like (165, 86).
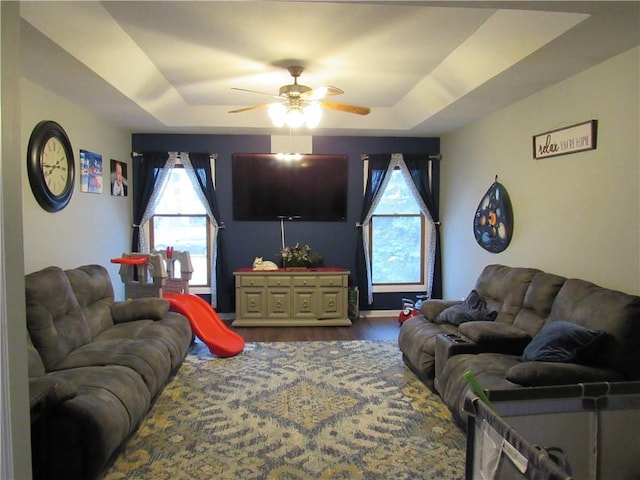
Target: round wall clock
(51, 166)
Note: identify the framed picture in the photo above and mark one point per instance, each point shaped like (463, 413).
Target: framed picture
(119, 186)
(90, 172)
(563, 141)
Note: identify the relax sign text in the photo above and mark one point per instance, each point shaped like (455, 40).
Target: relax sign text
(576, 138)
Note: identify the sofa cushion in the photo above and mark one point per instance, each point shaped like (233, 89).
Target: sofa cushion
(139, 309)
(54, 318)
(599, 308)
(540, 374)
(173, 331)
(92, 287)
(496, 337)
(474, 308)
(538, 302)
(563, 342)
(148, 357)
(504, 288)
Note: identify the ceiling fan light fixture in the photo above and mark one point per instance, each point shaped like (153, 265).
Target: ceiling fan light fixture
(278, 114)
(312, 115)
(295, 117)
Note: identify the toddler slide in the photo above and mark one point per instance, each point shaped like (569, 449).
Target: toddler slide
(206, 324)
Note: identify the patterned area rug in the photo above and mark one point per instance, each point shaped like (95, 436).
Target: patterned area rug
(293, 411)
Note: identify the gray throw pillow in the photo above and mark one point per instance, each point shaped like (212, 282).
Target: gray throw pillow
(472, 309)
(562, 341)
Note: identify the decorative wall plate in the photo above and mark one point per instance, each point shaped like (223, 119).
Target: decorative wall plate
(493, 221)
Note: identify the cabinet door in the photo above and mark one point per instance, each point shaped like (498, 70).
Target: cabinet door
(252, 303)
(331, 303)
(304, 303)
(279, 303)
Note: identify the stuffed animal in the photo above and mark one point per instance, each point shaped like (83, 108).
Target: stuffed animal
(259, 264)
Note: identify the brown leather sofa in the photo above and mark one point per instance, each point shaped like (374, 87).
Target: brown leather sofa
(548, 330)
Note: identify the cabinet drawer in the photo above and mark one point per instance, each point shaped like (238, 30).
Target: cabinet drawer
(279, 281)
(305, 281)
(332, 281)
(253, 281)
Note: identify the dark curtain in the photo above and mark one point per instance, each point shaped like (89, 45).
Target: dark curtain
(418, 166)
(378, 166)
(146, 168)
(202, 165)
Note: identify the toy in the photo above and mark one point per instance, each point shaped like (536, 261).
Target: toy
(410, 308)
(155, 275)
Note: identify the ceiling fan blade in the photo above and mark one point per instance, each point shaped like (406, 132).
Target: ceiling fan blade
(246, 109)
(346, 108)
(255, 91)
(321, 92)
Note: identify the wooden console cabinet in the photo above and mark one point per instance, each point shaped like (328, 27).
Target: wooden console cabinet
(288, 297)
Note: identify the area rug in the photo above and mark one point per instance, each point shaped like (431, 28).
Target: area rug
(293, 411)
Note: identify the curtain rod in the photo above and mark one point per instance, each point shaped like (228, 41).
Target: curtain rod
(429, 157)
(212, 156)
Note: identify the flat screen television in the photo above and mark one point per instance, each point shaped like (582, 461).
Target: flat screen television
(269, 187)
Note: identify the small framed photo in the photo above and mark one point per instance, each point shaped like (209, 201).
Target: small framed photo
(119, 187)
(90, 172)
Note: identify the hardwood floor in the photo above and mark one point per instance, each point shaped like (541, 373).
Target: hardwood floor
(362, 329)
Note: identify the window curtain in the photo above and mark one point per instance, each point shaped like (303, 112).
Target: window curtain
(424, 172)
(161, 177)
(418, 171)
(199, 171)
(377, 178)
(146, 168)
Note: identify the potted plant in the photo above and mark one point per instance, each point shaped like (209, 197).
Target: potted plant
(299, 256)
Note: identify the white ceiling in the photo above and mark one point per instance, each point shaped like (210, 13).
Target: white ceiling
(424, 68)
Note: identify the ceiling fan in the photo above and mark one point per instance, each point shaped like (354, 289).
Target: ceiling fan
(300, 104)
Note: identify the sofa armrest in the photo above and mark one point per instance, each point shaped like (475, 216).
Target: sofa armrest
(432, 308)
(139, 309)
(46, 392)
(448, 345)
(540, 374)
(495, 337)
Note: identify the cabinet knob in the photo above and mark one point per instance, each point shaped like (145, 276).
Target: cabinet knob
(252, 282)
(304, 282)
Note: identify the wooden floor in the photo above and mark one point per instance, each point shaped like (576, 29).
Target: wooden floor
(362, 329)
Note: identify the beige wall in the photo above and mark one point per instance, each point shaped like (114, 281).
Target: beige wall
(93, 228)
(576, 215)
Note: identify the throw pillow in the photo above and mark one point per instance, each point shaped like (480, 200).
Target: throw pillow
(473, 308)
(562, 341)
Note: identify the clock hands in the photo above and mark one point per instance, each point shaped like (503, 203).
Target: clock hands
(54, 166)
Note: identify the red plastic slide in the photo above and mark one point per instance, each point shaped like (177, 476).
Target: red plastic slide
(206, 324)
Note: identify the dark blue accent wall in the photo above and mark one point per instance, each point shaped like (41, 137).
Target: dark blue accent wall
(246, 240)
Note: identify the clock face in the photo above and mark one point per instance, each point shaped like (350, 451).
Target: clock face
(55, 166)
(51, 166)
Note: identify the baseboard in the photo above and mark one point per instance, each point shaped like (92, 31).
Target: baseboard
(378, 313)
(362, 314)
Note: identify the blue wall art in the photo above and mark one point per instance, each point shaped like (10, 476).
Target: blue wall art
(493, 221)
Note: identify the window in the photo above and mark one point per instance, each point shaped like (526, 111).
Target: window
(398, 232)
(180, 221)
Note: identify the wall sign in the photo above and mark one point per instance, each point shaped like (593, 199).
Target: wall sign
(576, 138)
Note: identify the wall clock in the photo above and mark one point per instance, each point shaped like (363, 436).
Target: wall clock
(51, 166)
